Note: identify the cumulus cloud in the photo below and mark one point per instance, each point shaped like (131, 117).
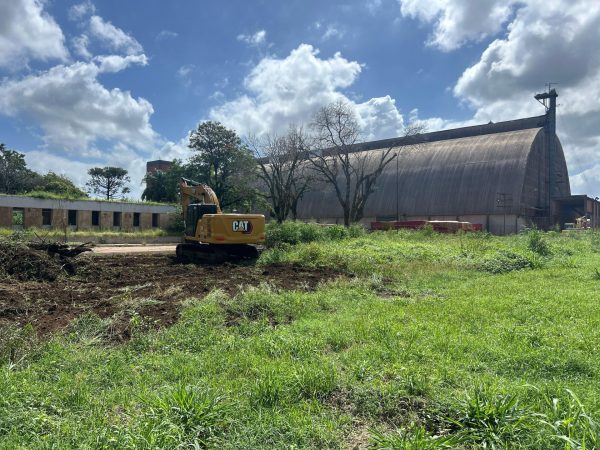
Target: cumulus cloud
(80, 45)
(291, 89)
(546, 41)
(74, 110)
(27, 32)
(81, 10)
(459, 21)
(114, 38)
(256, 39)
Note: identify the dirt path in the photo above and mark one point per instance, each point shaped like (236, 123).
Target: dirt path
(150, 285)
(134, 248)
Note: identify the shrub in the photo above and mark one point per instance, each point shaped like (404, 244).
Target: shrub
(292, 233)
(176, 223)
(537, 244)
(504, 262)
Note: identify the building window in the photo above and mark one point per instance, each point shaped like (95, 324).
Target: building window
(18, 217)
(117, 219)
(46, 217)
(73, 217)
(155, 220)
(136, 219)
(95, 218)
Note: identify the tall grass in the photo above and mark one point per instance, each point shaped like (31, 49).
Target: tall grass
(423, 350)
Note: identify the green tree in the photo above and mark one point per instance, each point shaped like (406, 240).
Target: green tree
(109, 182)
(58, 184)
(15, 177)
(224, 163)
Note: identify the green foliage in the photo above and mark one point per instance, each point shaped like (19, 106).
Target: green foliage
(505, 261)
(423, 347)
(416, 438)
(15, 177)
(487, 419)
(537, 243)
(292, 233)
(176, 224)
(108, 182)
(16, 343)
(59, 185)
(185, 416)
(224, 163)
(164, 186)
(569, 422)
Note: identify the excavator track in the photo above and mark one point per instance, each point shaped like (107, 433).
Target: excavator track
(215, 254)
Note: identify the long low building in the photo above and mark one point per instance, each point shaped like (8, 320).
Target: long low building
(505, 176)
(21, 211)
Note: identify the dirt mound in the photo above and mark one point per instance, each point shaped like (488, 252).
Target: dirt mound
(19, 261)
(25, 262)
(125, 287)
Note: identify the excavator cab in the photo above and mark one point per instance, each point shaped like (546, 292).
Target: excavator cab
(195, 211)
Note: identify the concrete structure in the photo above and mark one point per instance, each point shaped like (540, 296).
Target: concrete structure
(20, 211)
(156, 165)
(505, 176)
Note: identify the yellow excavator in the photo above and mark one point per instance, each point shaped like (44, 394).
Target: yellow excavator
(212, 236)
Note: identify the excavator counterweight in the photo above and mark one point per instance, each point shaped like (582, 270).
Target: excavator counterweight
(212, 236)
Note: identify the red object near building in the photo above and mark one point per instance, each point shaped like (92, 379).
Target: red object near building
(440, 226)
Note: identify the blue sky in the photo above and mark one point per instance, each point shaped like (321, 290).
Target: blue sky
(112, 82)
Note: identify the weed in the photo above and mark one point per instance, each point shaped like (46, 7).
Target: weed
(89, 328)
(268, 390)
(490, 420)
(16, 343)
(570, 424)
(596, 274)
(505, 261)
(315, 381)
(416, 438)
(537, 244)
(194, 417)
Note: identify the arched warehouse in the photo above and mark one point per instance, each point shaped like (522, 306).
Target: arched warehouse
(505, 176)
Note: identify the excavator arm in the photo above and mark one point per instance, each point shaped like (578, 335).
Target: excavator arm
(192, 191)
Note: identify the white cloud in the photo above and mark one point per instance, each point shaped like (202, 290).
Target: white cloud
(184, 73)
(546, 41)
(256, 39)
(459, 21)
(166, 34)
(27, 32)
(290, 90)
(74, 110)
(80, 45)
(333, 31)
(114, 38)
(80, 10)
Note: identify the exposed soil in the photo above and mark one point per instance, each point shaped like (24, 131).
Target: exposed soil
(152, 286)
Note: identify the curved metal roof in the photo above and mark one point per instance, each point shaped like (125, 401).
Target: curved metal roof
(458, 176)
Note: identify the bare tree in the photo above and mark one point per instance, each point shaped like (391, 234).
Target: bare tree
(282, 167)
(352, 174)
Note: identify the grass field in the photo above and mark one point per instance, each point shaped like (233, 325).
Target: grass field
(434, 341)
